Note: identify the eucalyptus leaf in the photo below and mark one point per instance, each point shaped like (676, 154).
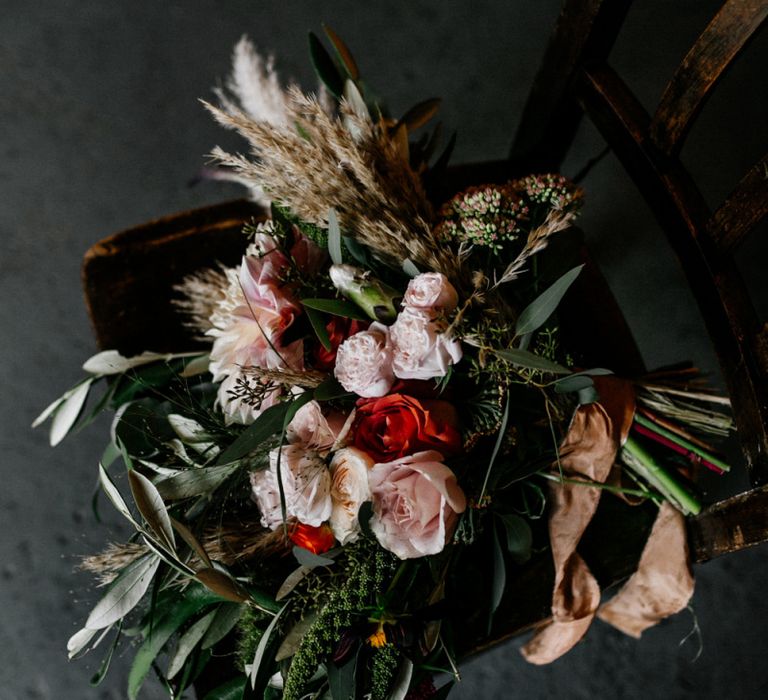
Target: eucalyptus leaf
(325, 67)
(540, 309)
(151, 506)
(256, 670)
(334, 238)
(192, 542)
(157, 634)
(310, 559)
(409, 268)
(588, 395)
(403, 680)
(67, 412)
(124, 593)
(336, 307)
(227, 616)
(519, 537)
(499, 576)
(114, 495)
(187, 483)
(187, 643)
(231, 690)
(573, 383)
(318, 325)
(266, 425)
(420, 114)
(344, 54)
(222, 585)
(292, 641)
(293, 579)
(523, 358)
(329, 390)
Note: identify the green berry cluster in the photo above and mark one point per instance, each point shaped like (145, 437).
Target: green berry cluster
(383, 669)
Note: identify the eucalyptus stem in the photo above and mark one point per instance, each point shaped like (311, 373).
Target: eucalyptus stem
(641, 461)
(599, 485)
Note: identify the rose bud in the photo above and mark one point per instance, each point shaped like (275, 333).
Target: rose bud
(378, 300)
(431, 291)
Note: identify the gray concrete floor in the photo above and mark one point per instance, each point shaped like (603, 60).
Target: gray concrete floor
(100, 129)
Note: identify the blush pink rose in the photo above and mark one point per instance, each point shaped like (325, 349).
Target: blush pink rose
(416, 502)
(306, 485)
(431, 291)
(364, 362)
(420, 350)
(314, 430)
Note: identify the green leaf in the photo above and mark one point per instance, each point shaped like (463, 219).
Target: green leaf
(67, 411)
(114, 495)
(99, 676)
(293, 580)
(227, 616)
(499, 577)
(345, 55)
(523, 358)
(318, 325)
(588, 395)
(192, 542)
(540, 309)
(187, 643)
(409, 268)
(187, 483)
(290, 645)
(184, 606)
(329, 390)
(337, 307)
(334, 237)
(257, 673)
(420, 114)
(79, 640)
(310, 559)
(573, 383)
(231, 690)
(341, 679)
(266, 425)
(222, 585)
(402, 681)
(124, 593)
(519, 537)
(325, 67)
(151, 506)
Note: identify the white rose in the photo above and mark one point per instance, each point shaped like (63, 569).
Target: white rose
(313, 430)
(364, 362)
(419, 349)
(306, 484)
(349, 490)
(431, 291)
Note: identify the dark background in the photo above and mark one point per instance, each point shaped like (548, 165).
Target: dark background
(100, 129)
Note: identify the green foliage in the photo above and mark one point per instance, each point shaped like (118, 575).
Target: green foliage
(383, 668)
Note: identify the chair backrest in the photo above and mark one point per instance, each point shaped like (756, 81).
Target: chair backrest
(577, 79)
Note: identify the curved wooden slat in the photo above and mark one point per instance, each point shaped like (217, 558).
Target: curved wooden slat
(729, 526)
(715, 49)
(585, 31)
(736, 332)
(744, 208)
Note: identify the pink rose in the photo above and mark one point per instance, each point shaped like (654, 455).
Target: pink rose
(431, 291)
(306, 484)
(364, 362)
(313, 430)
(349, 490)
(416, 502)
(419, 349)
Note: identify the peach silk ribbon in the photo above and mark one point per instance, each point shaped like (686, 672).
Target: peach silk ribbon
(662, 584)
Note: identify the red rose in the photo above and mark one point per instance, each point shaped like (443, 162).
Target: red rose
(398, 425)
(315, 539)
(339, 329)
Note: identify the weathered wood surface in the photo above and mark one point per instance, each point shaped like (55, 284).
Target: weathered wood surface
(703, 66)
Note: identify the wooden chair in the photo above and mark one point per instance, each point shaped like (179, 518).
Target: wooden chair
(125, 275)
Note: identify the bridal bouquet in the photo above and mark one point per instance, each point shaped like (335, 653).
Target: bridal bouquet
(388, 421)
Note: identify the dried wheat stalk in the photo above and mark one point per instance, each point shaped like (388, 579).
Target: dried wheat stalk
(107, 564)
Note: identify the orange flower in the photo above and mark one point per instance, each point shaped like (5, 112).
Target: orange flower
(315, 539)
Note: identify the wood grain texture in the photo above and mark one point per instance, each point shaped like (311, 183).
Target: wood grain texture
(742, 210)
(703, 66)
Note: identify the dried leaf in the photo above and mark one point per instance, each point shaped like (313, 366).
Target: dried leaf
(222, 585)
(293, 580)
(344, 54)
(420, 114)
(151, 506)
(192, 542)
(67, 412)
